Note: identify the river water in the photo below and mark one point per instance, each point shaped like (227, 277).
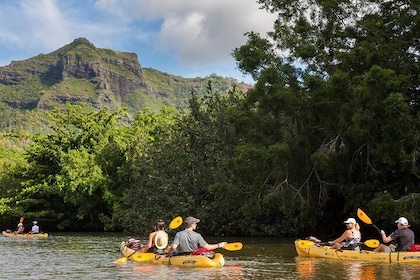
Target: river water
(90, 256)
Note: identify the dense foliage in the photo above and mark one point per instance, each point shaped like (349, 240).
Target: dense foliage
(331, 125)
(349, 120)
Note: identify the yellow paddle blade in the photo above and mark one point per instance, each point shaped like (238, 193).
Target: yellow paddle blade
(175, 223)
(362, 216)
(21, 219)
(236, 246)
(142, 257)
(305, 243)
(372, 243)
(121, 260)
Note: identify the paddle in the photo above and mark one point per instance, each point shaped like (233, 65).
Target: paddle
(123, 259)
(371, 243)
(365, 218)
(175, 223)
(235, 246)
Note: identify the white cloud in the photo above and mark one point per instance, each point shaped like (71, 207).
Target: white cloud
(34, 25)
(198, 31)
(195, 36)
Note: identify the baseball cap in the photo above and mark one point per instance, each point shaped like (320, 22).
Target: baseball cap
(191, 220)
(402, 221)
(350, 221)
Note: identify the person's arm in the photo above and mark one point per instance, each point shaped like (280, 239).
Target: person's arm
(385, 238)
(150, 241)
(174, 244)
(171, 248)
(215, 246)
(343, 237)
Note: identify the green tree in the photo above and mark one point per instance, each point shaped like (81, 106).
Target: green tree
(346, 116)
(66, 177)
(174, 157)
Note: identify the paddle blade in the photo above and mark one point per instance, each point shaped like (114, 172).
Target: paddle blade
(21, 219)
(120, 260)
(372, 243)
(175, 223)
(236, 246)
(305, 243)
(142, 257)
(362, 216)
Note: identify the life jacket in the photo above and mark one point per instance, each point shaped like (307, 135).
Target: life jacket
(352, 242)
(414, 248)
(203, 252)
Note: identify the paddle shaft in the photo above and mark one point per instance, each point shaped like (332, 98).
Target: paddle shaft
(378, 229)
(372, 243)
(365, 218)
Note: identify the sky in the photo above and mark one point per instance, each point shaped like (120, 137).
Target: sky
(188, 38)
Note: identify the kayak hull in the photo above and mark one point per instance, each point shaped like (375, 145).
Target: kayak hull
(352, 255)
(184, 260)
(24, 235)
(190, 260)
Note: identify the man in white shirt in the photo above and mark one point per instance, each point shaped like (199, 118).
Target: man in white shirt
(35, 227)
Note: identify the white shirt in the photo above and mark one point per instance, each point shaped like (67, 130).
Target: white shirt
(35, 229)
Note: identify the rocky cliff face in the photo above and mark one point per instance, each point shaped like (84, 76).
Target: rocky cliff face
(80, 73)
(113, 74)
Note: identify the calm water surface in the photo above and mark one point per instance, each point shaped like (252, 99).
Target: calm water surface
(90, 256)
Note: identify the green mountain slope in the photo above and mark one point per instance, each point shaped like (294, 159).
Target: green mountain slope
(80, 73)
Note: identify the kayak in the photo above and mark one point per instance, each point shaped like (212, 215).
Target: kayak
(190, 260)
(25, 235)
(182, 260)
(363, 255)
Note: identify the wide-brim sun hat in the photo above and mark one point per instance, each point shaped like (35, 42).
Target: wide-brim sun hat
(161, 240)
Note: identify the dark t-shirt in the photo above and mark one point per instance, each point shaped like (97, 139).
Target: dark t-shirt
(404, 238)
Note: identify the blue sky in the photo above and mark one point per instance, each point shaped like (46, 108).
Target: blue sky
(189, 38)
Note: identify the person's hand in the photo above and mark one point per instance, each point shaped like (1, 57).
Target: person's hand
(222, 244)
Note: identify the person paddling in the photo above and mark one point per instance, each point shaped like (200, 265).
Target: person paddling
(402, 235)
(158, 239)
(350, 239)
(187, 241)
(35, 228)
(20, 229)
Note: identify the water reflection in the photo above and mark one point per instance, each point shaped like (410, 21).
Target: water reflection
(305, 268)
(357, 271)
(368, 273)
(90, 256)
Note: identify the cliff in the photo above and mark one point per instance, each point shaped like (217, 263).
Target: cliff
(80, 73)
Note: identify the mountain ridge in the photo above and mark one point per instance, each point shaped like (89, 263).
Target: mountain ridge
(81, 73)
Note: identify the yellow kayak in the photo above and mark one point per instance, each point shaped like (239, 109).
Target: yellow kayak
(184, 260)
(190, 260)
(364, 255)
(25, 235)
